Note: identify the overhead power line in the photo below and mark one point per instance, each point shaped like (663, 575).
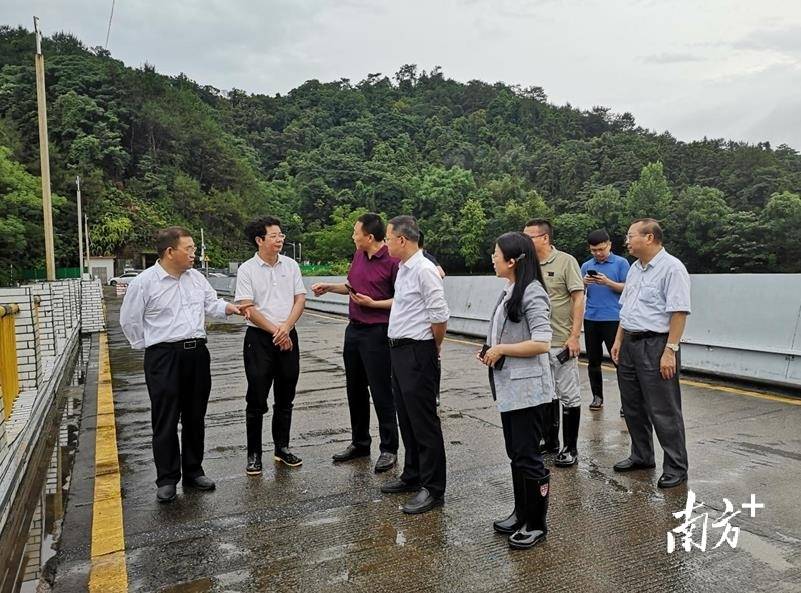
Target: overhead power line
(110, 17)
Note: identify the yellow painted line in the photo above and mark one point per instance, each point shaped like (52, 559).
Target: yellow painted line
(784, 399)
(108, 573)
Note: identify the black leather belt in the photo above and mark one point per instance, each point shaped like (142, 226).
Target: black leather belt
(181, 344)
(398, 342)
(642, 335)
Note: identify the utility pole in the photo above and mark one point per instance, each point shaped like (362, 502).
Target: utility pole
(44, 155)
(300, 252)
(86, 235)
(80, 228)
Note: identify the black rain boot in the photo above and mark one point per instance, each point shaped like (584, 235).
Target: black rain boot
(535, 528)
(551, 424)
(513, 521)
(569, 455)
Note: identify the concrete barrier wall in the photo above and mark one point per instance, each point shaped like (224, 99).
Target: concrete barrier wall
(743, 326)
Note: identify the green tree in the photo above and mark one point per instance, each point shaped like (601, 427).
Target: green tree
(650, 195)
(471, 228)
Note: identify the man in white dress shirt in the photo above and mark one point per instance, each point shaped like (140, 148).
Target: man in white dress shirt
(164, 312)
(417, 324)
(270, 290)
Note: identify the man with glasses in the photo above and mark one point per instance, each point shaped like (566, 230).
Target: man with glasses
(566, 291)
(656, 302)
(164, 312)
(417, 324)
(270, 291)
(604, 277)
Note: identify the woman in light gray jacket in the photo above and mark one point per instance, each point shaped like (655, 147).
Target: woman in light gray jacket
(520, 379)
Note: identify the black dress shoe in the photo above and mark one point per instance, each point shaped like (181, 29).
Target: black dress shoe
(597, 403)
(351, 452)
(668, 481)
(253, 467)
(286, 457)
(166, 493)
(386, 461)
(398, 485)
(422, 502)
(200, 483)
(627, 465)
(550, 449)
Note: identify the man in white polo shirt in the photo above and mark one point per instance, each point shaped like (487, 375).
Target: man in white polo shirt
(270, 291)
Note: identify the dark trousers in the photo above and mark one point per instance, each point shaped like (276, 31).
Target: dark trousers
(179, 384)
(267, 366)
(415, 377)
(596, 334)
(367, 365)
(522, 431)
(651, 401)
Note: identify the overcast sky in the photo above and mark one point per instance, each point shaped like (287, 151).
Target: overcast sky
(715, 68)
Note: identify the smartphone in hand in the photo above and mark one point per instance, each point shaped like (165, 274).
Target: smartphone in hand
(563, 356)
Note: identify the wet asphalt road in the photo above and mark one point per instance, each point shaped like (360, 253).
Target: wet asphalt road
(326, 527)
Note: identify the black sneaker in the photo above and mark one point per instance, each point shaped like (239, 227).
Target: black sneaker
(254, 464)
(285, 456)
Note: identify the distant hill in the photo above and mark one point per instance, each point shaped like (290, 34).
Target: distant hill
(470, 160)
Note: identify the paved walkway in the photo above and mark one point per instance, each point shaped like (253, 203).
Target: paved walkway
(323, 527)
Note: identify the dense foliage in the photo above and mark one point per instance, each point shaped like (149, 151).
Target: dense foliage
(470, 160)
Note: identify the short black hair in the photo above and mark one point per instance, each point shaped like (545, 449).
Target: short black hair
(597, 237)
(544, 224)
(169, 237)
(420, 240)
(650, 226)
(373, 224)
(406, 226)
(258, 227)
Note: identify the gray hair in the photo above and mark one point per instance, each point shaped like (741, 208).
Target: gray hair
(406, 226)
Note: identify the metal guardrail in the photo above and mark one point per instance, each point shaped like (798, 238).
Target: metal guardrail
(9, 374)
(743, 326)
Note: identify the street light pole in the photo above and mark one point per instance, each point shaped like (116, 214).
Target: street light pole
(203, 263)
(44, 155)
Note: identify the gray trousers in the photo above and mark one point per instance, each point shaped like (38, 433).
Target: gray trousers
(651, 401)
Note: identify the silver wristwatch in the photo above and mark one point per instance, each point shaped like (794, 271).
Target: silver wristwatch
(671, 346)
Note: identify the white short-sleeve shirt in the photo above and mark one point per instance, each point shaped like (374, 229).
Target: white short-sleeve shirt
(271, 288)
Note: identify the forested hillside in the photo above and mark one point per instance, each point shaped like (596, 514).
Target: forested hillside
(470, 160)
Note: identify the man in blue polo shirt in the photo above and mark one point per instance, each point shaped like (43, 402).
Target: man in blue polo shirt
(604, 277)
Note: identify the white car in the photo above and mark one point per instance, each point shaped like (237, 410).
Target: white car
(123, 278)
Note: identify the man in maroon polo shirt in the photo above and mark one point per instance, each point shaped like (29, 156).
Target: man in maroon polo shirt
(371, 282)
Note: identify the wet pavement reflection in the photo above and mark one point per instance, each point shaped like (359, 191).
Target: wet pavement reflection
(326, 527)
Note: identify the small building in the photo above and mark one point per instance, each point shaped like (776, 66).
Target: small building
(102, 266)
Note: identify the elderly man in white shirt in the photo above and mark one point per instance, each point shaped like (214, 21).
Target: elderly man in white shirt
(417, 324)
(164, 312)
(655, 304)
(270, 290)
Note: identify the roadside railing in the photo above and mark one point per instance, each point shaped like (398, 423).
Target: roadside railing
(9, 376)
